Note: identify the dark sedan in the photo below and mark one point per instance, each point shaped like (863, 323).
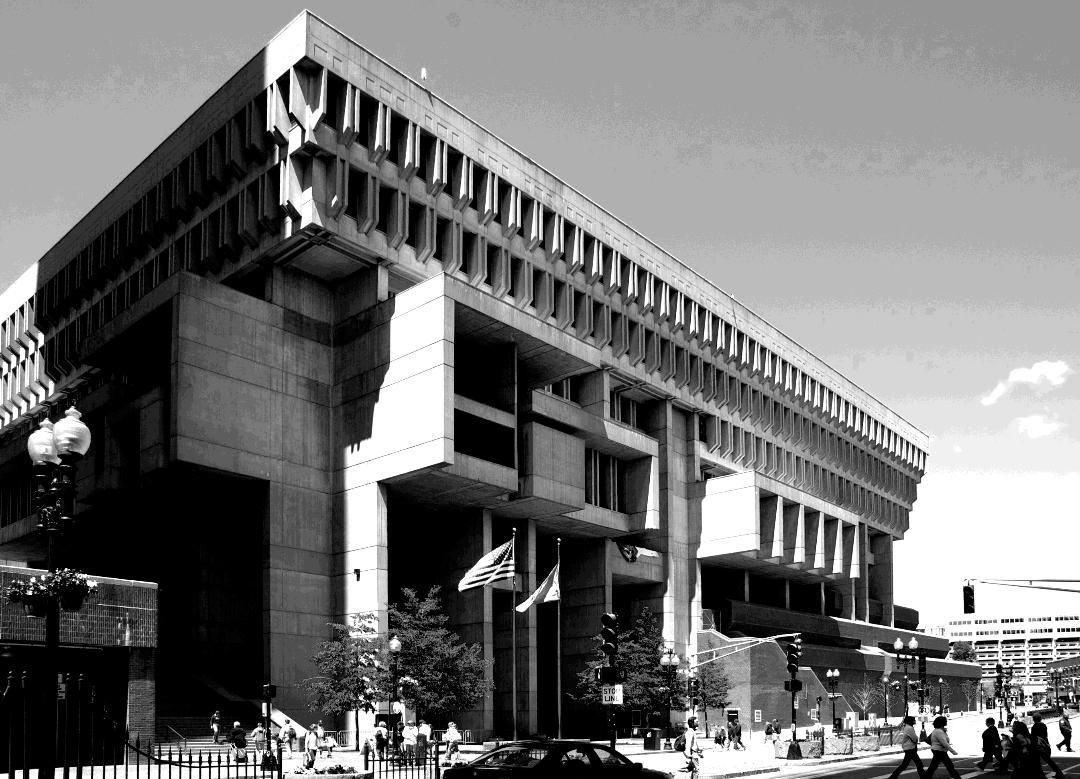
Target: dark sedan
(565, 759)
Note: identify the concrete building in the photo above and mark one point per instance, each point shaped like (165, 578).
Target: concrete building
(334, 338)
(1033, 644)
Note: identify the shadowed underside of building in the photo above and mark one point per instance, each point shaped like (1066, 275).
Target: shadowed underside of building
(333, 339)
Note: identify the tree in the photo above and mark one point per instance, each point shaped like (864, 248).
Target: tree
(864, 695)
(351, 671)
(715, 686)
(438, 674)
(648, 686)
(963, 651)
(969, 688)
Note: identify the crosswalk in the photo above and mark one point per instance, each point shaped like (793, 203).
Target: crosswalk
(883, 766)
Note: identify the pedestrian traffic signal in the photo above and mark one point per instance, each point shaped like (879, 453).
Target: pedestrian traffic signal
(969, 598)
(794, 652)
(269, 691)
(609, 634)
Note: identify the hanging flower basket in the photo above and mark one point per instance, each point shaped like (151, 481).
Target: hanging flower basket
(36, 607)
(71, 587)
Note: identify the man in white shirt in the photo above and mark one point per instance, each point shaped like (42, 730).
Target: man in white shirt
(692, 750)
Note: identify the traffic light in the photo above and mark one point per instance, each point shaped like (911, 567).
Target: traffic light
(609, 634)
(794, 652)
(969, 598)
(269, 691)
(694, 687)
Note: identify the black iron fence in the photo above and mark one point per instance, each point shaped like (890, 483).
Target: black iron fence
(90, 742)
(409, 761)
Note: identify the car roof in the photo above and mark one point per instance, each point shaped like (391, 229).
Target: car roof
(552, 742)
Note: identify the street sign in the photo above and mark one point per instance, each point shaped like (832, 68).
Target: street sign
(611, 694)
(757, 715)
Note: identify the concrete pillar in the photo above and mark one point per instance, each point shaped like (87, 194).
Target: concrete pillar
(364, 556)
(586, 594)
(880, 576)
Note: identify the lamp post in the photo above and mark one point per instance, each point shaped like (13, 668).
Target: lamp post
(55, 450)
(885, 691)
(940, 696)
(669, 662)
(394, 647)
(832, 678)
(905, 659)
(1055, 679)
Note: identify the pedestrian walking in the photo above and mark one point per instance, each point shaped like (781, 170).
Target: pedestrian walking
(238, 739)
(1040, 741)
(909, 743)
(737, 735)
(769, 732)
(408, 740)
(423, 736)
(215, 725)
(290, 736)
(1066, 732)
(259, 737)
(692, 749)
(1023, 754)
(941, 748)
(720, 736)
(991, 745)
(380, 740)
(311, 746)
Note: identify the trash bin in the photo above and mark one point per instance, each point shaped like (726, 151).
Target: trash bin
(652, 738)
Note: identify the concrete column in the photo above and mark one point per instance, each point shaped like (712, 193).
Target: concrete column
(586, 594)
(880, 577)
(364, 556)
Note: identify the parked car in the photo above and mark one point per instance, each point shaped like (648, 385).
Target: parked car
(541, 758)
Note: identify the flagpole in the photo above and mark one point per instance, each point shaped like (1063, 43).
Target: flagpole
(558, 640)
(513, 637)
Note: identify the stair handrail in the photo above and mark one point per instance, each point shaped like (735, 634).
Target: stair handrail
(183, 739)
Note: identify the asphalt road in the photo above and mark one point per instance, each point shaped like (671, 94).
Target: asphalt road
(881, 767)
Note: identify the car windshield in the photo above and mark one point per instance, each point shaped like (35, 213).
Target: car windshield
(516, 755)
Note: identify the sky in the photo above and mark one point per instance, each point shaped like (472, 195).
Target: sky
(894, 185)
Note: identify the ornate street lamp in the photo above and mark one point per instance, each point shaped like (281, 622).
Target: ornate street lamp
(55, 451)
(905, 659)
(394, 647)
(669, 662)
(832, 678)
(885, 690)
(940, 692)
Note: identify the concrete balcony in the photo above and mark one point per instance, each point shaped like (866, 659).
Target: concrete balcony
(123, 613)
(751, 521)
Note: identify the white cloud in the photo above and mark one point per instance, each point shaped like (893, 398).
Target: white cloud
(1044, 372)
(1038, 426)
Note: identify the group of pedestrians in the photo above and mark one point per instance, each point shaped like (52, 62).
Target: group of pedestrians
(729, 735)
(409, 742)
(1020, 751)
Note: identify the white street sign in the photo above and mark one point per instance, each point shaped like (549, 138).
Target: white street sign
(611, 694)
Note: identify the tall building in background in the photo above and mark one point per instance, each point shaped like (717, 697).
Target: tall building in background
(1028, 644)
(334, 338)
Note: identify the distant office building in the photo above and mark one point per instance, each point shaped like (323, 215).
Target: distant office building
(1030, 643)
(334, 338)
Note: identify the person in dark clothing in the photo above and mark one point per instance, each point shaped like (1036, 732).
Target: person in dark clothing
(1023, 754)
(736, 731)
(991, 745)
(909, 743)
(1041, 738)
(238, 739)
(1066, 732)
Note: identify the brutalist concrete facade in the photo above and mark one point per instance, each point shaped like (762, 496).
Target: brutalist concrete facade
(343, 339)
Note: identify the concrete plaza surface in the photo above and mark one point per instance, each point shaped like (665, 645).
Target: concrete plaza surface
(965, 732)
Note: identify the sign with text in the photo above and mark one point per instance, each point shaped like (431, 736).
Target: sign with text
(611, 694)
(757, 715)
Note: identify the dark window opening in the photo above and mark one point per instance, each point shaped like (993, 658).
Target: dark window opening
(335, 102)
(386, 211)
(427, 157)
(484, 439)
(455, 165)
(444, 240)
(399, 130)
(367, 109)
(417, 220)
(493, 253)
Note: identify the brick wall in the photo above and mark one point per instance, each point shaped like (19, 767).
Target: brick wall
(140, 708)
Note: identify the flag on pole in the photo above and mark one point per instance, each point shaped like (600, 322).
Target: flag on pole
(547, 592)
(495, 565)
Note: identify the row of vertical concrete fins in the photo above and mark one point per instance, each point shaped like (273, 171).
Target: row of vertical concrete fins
(331, 114)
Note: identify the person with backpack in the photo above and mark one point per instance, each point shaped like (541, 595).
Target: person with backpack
(736, 735)
(770, 734)
(909, 743)
(1040, 740)
(290, 736)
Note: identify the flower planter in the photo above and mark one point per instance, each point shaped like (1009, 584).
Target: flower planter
(36, 607)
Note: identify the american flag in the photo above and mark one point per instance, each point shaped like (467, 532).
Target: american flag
(495, 565)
